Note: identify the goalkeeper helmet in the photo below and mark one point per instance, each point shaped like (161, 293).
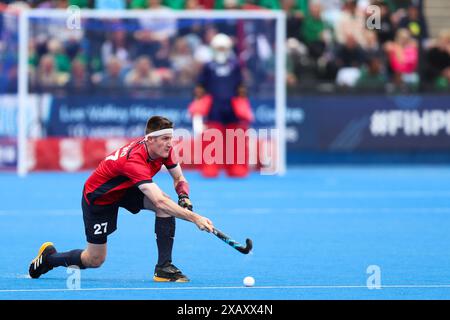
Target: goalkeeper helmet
(221, 45)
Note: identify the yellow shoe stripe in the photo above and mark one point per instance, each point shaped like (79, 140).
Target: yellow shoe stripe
(159, 279)
(41, 249)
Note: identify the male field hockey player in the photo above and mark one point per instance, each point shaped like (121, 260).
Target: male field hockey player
(124, 179)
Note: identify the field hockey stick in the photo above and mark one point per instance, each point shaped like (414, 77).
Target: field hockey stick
(239, 247)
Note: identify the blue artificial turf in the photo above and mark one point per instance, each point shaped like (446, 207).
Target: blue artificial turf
(315, 232)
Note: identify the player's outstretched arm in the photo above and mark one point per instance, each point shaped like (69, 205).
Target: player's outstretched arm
(166, 205)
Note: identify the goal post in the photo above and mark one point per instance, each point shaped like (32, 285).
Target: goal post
(67, 17)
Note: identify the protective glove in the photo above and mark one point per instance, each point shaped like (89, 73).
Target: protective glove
(185, 202)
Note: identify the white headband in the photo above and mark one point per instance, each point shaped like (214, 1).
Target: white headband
(159, 133)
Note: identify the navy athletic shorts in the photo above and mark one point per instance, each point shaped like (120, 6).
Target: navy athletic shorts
(101, 221)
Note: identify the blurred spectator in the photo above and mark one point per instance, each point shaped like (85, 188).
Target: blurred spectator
(156, 4)
(300, 5)
(112, 77)
(183, 4)
(294, 15)
(62, 4)
(256, 55)
(395, 5)
(116, 46)
(351, 23)
(47, 74)
(147, 4)
(296, 53)
(143, 74)
(145, 42)
(53, 4)
(271, 4)
(403, 57)
(78, 3)
(372, 76)
(398, 10)
(33, 56)
(161, 56)
(172, 4)
(152, 33)
(207, 4)
(228, 4)
(386, 31)
(331, 11)
(349, 58)
(373, 49)
(192, 5)
(350, 54)
(183, 64)
(415, 23)
(443, 81)
(62, 61)
(79, 79)
(295, 11)
(314, 31)
(203, 52)
(438, 59)
(17, 6)
(110, 4)
(73, 49)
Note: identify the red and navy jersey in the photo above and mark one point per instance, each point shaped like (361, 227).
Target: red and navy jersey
(125, 168)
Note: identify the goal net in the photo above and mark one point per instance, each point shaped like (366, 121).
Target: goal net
(89, 80)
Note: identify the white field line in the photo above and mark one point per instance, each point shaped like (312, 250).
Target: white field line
(305, 287)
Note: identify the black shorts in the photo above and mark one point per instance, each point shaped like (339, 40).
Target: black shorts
(101, 221)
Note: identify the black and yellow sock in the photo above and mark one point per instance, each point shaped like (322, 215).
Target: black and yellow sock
(165, 233)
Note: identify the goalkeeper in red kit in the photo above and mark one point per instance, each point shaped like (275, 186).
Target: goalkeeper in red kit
(221, 100)
(124, 179)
